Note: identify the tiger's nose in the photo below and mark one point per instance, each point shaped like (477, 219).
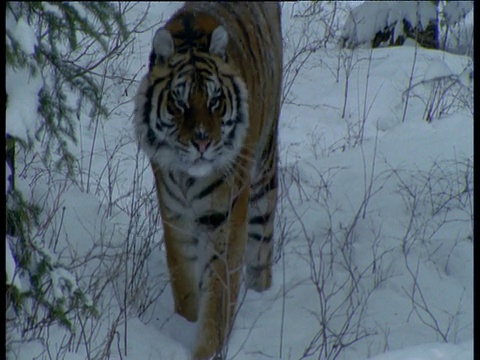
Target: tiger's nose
(201, 144)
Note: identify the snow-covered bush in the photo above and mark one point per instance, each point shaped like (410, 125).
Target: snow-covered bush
(457, 36)
(316, 25)
(52, 50)
(441, 90)
(380, 23)
(437, 201)
(50, 53)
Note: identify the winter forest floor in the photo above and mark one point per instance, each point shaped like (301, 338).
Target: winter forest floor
(374, 228)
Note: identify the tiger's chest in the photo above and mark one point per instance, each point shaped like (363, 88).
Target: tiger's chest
(189, 200)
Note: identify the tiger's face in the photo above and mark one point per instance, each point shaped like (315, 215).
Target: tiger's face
(198, 114)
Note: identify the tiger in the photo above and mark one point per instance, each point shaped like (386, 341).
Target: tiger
(206, 115)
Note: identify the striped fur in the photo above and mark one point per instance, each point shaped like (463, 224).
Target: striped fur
(206, 114)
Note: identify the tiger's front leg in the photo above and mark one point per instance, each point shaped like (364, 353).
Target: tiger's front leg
(182, 255)
(220, 281)
(182, 263)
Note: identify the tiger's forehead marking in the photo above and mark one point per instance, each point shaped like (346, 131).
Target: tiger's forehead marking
(194, 62)
(193, 78)
(190, 33)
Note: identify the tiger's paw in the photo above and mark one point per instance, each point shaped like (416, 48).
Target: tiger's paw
(189, 313)
(259, 278)
(208, 342)
(207, 351)
(188, 308)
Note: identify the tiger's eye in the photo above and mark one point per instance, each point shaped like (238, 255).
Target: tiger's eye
(175, 106)
(214, 103)
(170, 107)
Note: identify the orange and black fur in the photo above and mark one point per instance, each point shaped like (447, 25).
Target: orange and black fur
(206, 114)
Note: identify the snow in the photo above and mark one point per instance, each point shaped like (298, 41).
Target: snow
(455, 11)
(25, 36)
(435, 351)
(324, 182)
(10, 266)
(22, 87)
(437, 69)
(22, 104)
(62, 278)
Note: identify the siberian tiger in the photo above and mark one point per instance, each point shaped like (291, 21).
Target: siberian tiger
(206, 114)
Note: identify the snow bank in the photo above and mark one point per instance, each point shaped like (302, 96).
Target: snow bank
(434, 351)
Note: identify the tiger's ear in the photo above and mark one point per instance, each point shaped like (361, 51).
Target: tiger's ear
(163, 46)
(219, 42)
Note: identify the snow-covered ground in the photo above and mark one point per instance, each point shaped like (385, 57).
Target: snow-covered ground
(374, 225)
